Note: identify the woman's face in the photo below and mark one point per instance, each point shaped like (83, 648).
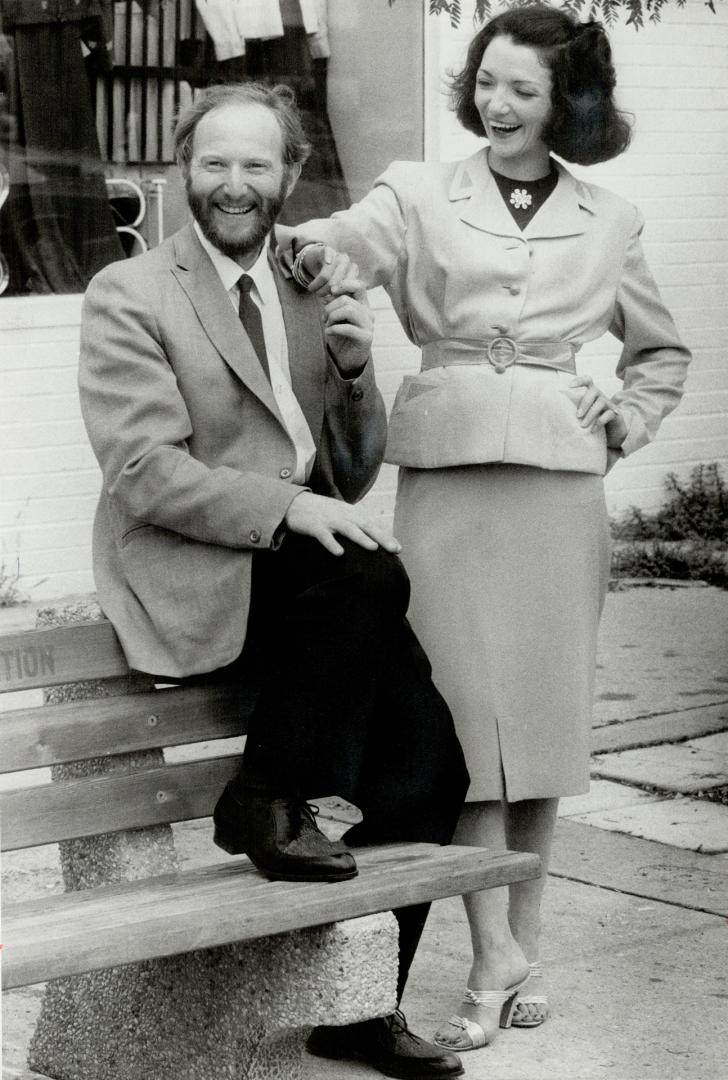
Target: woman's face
(513, 98)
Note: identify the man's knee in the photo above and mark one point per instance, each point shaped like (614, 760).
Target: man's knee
(381, 578)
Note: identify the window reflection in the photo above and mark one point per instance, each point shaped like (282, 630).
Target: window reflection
(89, 90)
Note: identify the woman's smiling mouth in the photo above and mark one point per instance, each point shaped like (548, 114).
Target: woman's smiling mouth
(503, 129)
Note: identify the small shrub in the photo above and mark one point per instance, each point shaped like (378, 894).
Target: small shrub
(686, 539)
(10, 591)
(681, 561)
(696, 510)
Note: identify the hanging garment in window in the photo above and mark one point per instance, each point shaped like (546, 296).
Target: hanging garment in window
(56, 229)
(222, 26)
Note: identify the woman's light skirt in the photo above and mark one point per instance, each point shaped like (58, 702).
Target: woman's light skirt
(509, 568)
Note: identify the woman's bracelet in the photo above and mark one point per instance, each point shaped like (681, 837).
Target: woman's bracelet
(301, 275)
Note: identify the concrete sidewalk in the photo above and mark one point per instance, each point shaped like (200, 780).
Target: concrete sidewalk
(636, 909)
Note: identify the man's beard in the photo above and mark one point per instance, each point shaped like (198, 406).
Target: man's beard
(268, 211)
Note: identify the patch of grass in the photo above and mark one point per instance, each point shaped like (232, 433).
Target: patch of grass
(686, 539)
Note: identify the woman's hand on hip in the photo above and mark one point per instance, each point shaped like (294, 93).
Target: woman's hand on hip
(596, 410)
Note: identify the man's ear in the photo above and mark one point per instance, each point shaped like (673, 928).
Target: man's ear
(294, 171)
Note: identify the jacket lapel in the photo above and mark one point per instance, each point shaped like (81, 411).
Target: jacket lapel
(563, 212)
(481, 203)
(483, 206)
(200, 281)
(306, 348)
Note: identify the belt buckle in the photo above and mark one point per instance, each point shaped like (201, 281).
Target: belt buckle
(502, 353)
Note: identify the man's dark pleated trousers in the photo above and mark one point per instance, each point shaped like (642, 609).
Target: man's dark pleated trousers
(347, 704)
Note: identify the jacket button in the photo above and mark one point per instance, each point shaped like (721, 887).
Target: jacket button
(357, 394)
(254, 536)
(284, 474)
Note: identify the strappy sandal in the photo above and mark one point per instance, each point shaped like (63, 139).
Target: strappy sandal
(504, 1000)
(531, 1009)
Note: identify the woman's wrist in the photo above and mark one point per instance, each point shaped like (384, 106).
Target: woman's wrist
(301, 273)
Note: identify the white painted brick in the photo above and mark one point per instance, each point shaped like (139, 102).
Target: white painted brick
(709, 425)
(25, 486)
(48, 511)
(672, 122)
(691, 229)
(39, 311)
(43, 407)
(46, 381)
(699, 252)
(707, 293)
(55, 435)
(47, 460)
(54, 536)
(56, 560)
(19, 354)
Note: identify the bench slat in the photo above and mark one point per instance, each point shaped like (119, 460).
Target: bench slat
(74, 808)
(37, 737)
(60, 654)
(224, 903)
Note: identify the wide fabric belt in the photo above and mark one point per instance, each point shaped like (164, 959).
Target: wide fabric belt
(500, 352)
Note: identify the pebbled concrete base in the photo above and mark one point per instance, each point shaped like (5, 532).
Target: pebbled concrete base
(240, 1012)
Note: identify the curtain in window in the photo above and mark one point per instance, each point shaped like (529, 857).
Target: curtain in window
(56, 229)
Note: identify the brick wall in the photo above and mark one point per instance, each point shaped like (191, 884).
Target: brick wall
(672, 76)
(49, 479)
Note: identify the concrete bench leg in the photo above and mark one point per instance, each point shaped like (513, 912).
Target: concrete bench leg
(241, 1012)
(237, 1012)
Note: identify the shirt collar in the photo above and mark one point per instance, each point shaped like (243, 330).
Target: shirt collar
(229, 271)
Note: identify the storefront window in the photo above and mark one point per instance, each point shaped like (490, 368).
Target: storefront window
(89, 90)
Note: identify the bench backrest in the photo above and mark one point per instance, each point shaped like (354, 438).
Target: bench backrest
(139, 718)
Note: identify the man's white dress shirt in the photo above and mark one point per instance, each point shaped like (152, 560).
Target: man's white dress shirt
(265, 294)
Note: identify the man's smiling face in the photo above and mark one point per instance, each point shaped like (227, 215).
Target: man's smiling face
(237, 181)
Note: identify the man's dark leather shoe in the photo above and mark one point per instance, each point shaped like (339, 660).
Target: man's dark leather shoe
(280, 836)
(386, 1044)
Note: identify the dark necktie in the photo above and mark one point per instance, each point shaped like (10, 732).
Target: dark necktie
(251, 319)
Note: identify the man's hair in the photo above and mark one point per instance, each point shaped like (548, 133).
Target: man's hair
(585, 125)
(279, 99)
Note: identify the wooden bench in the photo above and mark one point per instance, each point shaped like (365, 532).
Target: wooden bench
(140, 954)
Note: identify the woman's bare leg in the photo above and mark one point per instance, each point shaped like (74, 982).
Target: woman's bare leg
(498, 959)
(530, 827)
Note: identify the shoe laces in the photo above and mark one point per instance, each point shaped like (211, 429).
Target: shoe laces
(309, 812)
(397, 1024)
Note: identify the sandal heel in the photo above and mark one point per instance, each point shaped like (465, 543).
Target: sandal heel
(509, 1007)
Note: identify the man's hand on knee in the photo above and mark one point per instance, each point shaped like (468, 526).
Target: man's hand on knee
(323, 518)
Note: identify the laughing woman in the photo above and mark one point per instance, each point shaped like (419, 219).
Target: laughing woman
(500, 267)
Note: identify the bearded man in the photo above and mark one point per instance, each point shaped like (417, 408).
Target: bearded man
(236, 419)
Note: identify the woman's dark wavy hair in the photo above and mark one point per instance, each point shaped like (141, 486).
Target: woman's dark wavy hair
(585, 126)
